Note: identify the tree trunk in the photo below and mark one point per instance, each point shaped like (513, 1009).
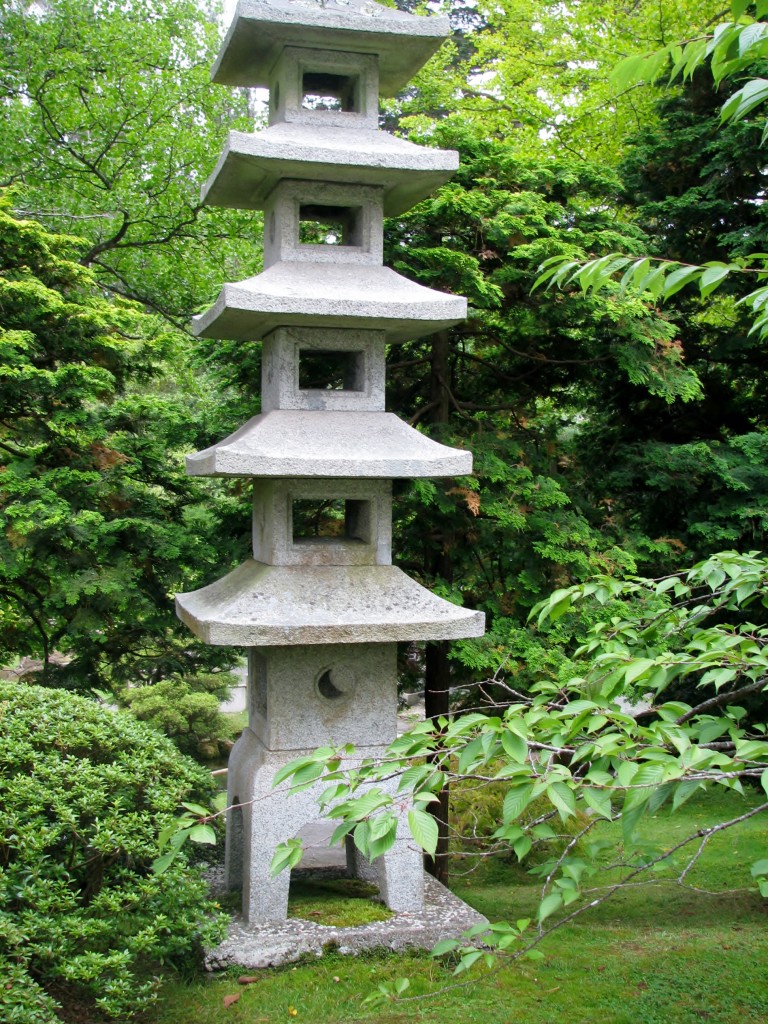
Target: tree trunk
(437, 674)
(436, 702)
(439, 375)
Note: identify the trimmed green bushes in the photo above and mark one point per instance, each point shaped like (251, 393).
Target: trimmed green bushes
(84, 793)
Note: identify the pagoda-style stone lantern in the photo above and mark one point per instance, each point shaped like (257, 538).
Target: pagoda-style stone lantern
(322, 615)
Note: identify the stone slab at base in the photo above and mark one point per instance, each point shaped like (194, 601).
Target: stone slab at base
(443, 916)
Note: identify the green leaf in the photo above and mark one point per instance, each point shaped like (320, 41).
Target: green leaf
(558, 603)
(379, 846)
(630, 819)
(341, 832)
(653, 282)
(636, 272)
(161, 864)
(679, 279)
(533, 954)
(361, 807)
(414, 776)
(627, 71)
(563, 799)
(548, 906)
(289, 769)
(744, 100)
(637, 668)
(307, 774)
(599, 800)
(360, 837)
(711, 278)
(644, 68)
(553, 270)
(202, 834)
(287, 855)
(516, 800)
(683, 791)
(718, 677)
(445, 946)
(522, 847)
(710, 731)
(467, 960)
(198, 809)
(424, 830)
(514, 746)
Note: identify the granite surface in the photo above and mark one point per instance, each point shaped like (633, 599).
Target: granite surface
(328, 443)
(258, 605)
(443, 916)
(261, 29)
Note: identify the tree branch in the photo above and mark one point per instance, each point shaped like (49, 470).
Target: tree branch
(723, 698)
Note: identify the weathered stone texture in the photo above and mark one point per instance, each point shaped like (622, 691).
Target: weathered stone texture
(251, 165)
(266, 605)
(337, 694)
(360, 355)
(264, 816)
(284, 443)
(336, 295)
(320, 606)
(261, 29)
(364, 536)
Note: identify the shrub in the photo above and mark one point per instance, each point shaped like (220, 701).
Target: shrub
(477, 811)
(85, 792)
(186, 710)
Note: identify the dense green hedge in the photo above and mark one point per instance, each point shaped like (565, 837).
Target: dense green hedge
(84, 793)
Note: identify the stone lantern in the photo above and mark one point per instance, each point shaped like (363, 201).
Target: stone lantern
(321, 613)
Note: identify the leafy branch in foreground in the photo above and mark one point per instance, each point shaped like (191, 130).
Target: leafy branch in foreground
(731, 50)
(658, 279)
(733, 47)
(613, 743)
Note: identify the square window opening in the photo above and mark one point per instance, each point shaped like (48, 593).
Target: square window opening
(321, 91)
(331, 519)
(330, 371)
(330, 225)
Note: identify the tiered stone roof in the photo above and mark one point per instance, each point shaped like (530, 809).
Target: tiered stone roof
(318, 158)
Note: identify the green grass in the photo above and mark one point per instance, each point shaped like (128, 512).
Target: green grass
(340, 902)
(656, 954)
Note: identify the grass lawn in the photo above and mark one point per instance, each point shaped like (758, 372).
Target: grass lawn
(656, 954)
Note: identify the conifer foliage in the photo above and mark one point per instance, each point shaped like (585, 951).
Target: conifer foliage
(98, 524)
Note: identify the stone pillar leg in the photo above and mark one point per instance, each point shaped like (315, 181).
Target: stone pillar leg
(398, 874)
(235, 842)
(401, 876)
(254, 829)
(264, 898)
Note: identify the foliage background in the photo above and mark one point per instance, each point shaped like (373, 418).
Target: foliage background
(612, 434)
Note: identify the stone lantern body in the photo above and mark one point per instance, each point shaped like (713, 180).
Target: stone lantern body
(321, 613)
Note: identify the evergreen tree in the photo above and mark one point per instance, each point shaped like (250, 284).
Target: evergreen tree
(99, 525)
(695, 473)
